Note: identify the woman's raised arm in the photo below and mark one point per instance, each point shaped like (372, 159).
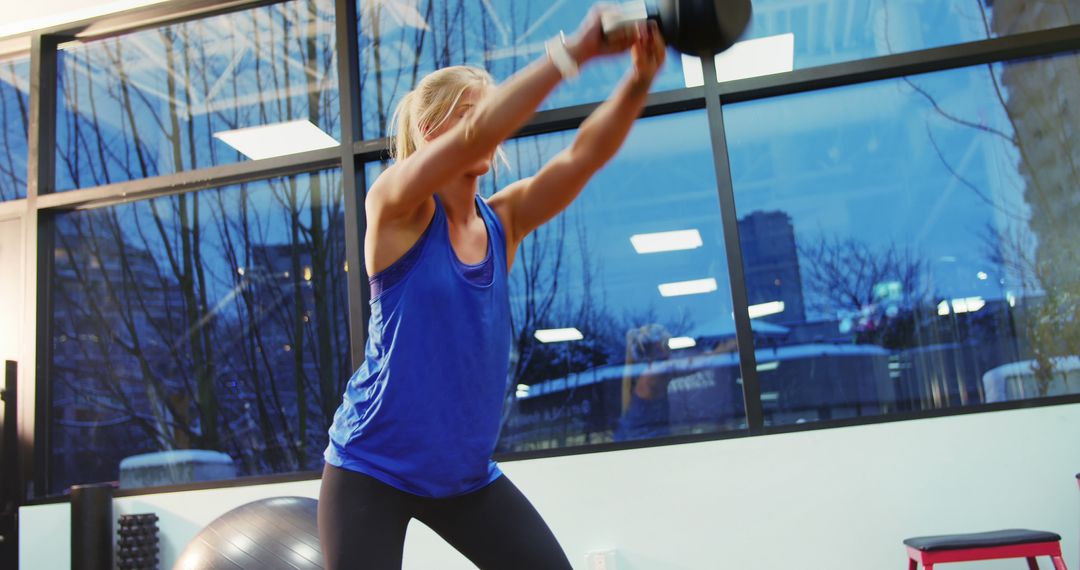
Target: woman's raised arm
(406, 186)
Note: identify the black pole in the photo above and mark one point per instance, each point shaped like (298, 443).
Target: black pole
(91, 527)
(10, 488)
(352, 174)
(744, 335)
(37, 241)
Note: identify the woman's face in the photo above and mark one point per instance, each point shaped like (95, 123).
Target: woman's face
(465, 105)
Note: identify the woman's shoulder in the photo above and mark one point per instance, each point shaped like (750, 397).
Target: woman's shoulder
(381, 189)
(497, 202)
(507, 194)
(382, 178)
(502, 201)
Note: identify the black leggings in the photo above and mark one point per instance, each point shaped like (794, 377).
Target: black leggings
(362, 525)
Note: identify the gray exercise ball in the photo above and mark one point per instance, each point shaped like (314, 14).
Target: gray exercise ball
(279, 532)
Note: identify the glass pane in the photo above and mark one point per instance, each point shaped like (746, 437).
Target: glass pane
(402, 41)
(199, 336)
(796, 34)
(14, 109)
(646, 365)
(252, 84)
(911, 243)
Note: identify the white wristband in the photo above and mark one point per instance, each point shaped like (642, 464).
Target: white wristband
(560, 57)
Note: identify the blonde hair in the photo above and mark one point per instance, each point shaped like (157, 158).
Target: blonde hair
(430, 104)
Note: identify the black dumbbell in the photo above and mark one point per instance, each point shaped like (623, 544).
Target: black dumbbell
(693, 27)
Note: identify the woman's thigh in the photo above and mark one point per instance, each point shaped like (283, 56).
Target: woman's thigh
(496, 528)
(362, 521)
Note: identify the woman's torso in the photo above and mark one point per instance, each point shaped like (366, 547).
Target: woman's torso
(423, 411)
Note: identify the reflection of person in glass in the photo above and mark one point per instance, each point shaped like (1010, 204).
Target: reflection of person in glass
(645, 383)
(420, 418)
(646, 409)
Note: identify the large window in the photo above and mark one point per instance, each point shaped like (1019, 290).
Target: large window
(908, 244)
(796, 34)
(914, 239)
(401, 42)
(636, 269)
(14, 110)
(247, 85)
(199, 336)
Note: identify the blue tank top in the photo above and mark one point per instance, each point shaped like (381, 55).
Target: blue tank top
(422, 413)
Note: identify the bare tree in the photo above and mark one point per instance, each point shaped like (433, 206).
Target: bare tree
(1048, 310)
(177, 326)
(841, 273)
(13, 133)
(1035, 244)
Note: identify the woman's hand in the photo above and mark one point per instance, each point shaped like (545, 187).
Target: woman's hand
(589, 40)
(648, 53)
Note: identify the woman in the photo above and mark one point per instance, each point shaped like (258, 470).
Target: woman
(420, 418)
(645, 383)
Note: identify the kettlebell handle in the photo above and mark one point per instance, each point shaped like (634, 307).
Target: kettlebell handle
(626, 14)
(691, 26)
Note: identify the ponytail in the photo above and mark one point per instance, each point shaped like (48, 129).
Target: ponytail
(405, 131)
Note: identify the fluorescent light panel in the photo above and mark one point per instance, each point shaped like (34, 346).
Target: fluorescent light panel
(750, 58)
(967, 304)
(766, 309)
(558, 335)
(695, 287)
(964, 305)
(666, 241)
(277, 139)
(677, 342)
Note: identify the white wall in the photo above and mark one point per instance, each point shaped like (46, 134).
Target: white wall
(782, 501)
(11, 288)
(45, 537)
